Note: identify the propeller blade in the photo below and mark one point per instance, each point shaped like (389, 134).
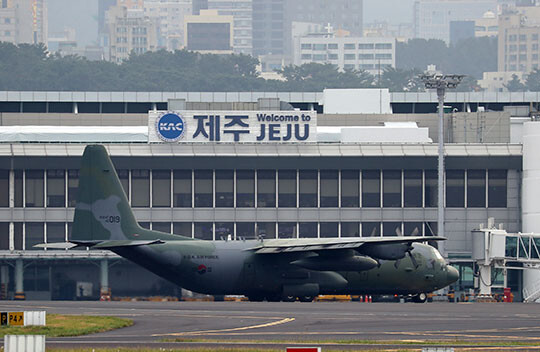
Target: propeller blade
(415, 232)
(413, 260)
(396, 263)
(398, 232)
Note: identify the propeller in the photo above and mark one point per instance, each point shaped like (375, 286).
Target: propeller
(415, 232)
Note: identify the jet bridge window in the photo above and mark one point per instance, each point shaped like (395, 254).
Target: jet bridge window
(476, 188)
(18, 235)
(350, 189)
(371, 189)
(4, 188)
(161, 188)
(455, 188)
(497, 188)
(308, 188)
(266, 189)
(224, 188)
(329, 189)
(245, 189)
(287, 188)
(203, 188)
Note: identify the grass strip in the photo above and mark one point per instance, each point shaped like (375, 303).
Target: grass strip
(69, 325)
(490, 343)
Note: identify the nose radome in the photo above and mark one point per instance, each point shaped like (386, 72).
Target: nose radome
(452, 274)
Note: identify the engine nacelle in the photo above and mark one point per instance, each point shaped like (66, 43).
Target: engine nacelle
(390, 251)
(349, 263)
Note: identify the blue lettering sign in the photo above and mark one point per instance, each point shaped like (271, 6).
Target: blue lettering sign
(170, 127)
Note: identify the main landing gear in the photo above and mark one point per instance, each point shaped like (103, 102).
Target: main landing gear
(279, 298)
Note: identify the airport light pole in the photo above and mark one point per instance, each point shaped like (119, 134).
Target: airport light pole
(441, 83)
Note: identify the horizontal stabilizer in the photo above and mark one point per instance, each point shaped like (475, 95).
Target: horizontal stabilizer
(59, 245)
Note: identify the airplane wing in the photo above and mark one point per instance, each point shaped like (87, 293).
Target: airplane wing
(311, 244)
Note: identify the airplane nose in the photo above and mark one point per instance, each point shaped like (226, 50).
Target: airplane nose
(452, 274)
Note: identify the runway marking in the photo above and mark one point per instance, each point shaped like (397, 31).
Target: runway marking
(274, 323)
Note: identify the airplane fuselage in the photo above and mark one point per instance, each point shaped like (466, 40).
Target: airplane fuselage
(227, 267)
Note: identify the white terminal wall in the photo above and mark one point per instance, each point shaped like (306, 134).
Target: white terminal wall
(357, 101)
(531, 189)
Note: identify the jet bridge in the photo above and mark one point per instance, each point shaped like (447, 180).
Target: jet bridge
(495, 248)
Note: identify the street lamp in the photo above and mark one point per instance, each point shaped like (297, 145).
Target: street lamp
(441, 83)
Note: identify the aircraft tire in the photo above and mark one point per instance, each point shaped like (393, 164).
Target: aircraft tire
(306, 298)
(420, 298)
(289, 299)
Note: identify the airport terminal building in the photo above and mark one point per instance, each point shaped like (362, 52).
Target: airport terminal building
(278, 165)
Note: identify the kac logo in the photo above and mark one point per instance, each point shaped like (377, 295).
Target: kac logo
(170, 127)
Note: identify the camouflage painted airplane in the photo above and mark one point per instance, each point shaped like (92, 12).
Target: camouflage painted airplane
(271, 269)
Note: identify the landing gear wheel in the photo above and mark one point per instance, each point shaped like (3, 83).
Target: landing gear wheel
(289, 299)
(306, 298)
(255, 298)
(420, 298)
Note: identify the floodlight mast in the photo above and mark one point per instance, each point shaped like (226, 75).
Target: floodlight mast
(441, 82)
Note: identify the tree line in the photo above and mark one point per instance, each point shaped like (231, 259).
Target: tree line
(32, 67)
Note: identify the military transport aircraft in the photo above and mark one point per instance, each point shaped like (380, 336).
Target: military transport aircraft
(271, 269)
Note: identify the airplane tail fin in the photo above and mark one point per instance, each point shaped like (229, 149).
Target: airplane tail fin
(102, 212)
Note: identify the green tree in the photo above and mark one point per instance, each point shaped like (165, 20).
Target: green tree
(400, 80)
(532, 82)
(515, 85)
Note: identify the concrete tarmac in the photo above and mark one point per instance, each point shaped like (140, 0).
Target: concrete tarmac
(247, 324)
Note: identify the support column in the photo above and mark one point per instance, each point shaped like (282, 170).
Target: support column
(19, 279)
(105, 291)
(4, 273)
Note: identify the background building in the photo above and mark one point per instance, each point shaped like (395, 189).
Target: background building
(432, 17)
(368, 53)
(23, 21)
(269, 27)
(209, 32)
(169, 17)
(519, 33)
(242, 13)
(129, 31)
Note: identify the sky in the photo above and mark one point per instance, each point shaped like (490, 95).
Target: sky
(393, 11)
(82, 15)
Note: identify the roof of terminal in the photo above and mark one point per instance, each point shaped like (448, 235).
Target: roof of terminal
(263, 150)
(223, 97)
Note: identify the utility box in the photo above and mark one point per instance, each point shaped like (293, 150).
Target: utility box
(478, 245)
(24, 343)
